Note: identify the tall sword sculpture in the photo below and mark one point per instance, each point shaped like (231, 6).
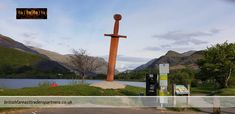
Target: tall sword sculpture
(113, 47)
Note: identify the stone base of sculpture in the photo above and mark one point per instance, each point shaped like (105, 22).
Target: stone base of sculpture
(109, 85)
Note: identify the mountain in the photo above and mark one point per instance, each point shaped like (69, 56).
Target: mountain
(146, 65)
(175, 59)
(51, 55)
(65, 60)
(23, 62)
(10, 43)
(20, 59)
(14, 62)
(188, 53)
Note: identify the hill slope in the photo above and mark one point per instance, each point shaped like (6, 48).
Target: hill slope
(18, 64)
(19, 61)
(175, 59)
(10, 43)
(51, 55)
(17, 58)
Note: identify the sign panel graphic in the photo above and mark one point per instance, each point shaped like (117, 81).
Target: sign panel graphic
(181, 90)
(163, 68)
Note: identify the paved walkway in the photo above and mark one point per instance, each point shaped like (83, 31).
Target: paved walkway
(99, 111)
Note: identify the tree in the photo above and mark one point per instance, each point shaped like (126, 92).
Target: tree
(182, 76)
(83, 63)
(218, 63)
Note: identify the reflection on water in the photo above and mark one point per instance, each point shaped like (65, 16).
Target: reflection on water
(21, 83)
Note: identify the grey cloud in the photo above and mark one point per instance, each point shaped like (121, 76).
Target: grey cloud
(65, 38)
(29, 35)
(179, 37)
(153, 48)
(32, 43)
(215, 31)
(30, 39)
(188, 41)
(63, 44)
(128, 67)
(131, 59)
(166, 46)
(198, 42)
(159, 48)
(123, 58)
(230, 1)
(178, 49)
(60, 43)
(128, 62)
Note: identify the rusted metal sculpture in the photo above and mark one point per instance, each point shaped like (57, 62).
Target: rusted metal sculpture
(114, 47)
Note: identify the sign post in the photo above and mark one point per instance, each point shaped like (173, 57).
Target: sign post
(182, 91)
(163, 71)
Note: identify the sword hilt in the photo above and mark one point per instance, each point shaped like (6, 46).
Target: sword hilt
(115, 36)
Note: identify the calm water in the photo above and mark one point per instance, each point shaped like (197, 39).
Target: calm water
(21, 83)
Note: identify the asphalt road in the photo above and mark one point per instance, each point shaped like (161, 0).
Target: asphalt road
(112, 111)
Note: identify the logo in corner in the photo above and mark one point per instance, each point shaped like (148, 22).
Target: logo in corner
(31, 13)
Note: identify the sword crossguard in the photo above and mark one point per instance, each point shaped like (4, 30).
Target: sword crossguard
(115, 36)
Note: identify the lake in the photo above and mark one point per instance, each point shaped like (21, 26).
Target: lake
(21, 83)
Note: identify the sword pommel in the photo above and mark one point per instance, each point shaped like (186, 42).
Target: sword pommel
(117, 17)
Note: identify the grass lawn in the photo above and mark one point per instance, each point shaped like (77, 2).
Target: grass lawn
(211, 91)
(71, 90)
(226, 92)
(202, 90)
(86, 90)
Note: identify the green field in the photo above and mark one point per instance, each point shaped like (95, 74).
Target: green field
(71, 90)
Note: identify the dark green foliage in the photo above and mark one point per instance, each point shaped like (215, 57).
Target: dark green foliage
(232, 80)
(100, 77)
(24, 69)
(218, 64)
(135, 75)
(182, 76)
(48, 65)
(6, 69)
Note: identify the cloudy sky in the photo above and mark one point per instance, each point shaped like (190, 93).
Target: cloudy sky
(153, 26)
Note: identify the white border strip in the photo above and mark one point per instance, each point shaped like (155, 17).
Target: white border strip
(116, 101)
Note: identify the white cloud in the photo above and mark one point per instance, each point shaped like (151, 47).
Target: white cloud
(64, 29)
(179, 37)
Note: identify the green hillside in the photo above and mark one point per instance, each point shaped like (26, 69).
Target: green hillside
(19, 64)
(16, 58)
